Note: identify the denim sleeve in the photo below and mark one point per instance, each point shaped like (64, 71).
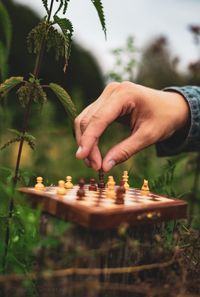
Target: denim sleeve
(188, 138)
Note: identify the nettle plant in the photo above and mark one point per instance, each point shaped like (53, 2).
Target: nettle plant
(43, 38)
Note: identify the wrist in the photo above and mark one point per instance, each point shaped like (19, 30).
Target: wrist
(179, 108)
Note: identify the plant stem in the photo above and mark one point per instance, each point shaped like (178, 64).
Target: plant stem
(36, 71)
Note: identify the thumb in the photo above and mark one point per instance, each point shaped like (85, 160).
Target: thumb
(126, 148)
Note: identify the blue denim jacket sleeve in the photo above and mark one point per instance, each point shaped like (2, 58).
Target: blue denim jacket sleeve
(188, 138)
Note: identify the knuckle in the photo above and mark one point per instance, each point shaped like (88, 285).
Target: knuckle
(96, 117)
(125, 154)
(83, 124)
(112, 86)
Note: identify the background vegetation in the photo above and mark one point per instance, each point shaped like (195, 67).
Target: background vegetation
(52, 244)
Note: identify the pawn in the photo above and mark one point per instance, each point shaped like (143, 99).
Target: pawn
(145, 187)
(81, 192)
(92, 186)
(39, 186)
(110, 192)
(125, 179)
(61, 187)
(120, 195)
(68, 184)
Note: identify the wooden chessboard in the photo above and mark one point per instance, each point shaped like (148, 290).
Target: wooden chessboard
(98, 212)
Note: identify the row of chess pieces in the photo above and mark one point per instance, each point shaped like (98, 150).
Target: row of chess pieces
(110, 187)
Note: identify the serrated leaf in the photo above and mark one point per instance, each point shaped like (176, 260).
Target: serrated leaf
(67, 30)
(9, 142)
(16, 132)
(45, 4)
(65, 99)
(99, 8)
(63, 4)
(28, 138)
(10, 83)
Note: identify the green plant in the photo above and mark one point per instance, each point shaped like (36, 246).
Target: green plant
(44, 37)
(125, 62)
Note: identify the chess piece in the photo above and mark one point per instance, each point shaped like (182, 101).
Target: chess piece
(81, 192)
(68, 184)
(120, 195)
(110, 192)
(145, 187)
(39, 186)
(92, 186)
(122, 185)
(101, 183)
(61, 188)
(125, 179)
(110, 180)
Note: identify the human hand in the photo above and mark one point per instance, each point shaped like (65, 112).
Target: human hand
(153, 116)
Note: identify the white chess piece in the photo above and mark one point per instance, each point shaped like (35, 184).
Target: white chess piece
(39, 186)
(68, 184)
(125, 179)
(61, 187)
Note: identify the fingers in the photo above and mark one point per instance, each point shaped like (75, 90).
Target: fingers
(93, 124)
(96, 126)
(83, 119)
(94, 159)
(122, 151)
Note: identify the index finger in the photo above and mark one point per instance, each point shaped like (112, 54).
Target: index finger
(104, 116)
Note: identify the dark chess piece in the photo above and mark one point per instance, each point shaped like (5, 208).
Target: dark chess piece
(122, 182)
(101, 183)
(81, 192)
(92, 186)
(120, 195)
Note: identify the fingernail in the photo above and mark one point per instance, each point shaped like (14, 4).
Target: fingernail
(79, 150)
(110, 165)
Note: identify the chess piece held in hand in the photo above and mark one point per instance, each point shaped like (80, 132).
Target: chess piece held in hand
(101, 183)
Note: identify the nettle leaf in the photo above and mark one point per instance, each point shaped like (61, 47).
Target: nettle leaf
(45, 4)
(67, 30)
(65, 99)
(34, 90)
(63, 4)
(10, 83)
(9, 142)
(99, 8)
(28, 138)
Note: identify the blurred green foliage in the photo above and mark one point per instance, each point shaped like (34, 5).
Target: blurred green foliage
(54, 157)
